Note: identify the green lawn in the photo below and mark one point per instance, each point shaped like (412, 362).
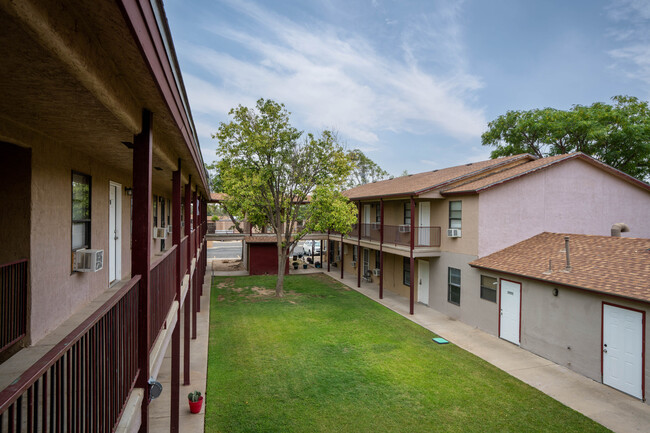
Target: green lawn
(327, 359)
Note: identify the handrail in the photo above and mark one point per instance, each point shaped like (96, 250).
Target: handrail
(14, 391)
(161, 258)
(162, 292)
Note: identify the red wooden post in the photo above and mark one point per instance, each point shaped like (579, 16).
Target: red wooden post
(176, 335)
(381, 248)
(342, 255)
(140, 251)
(359, 243)
(188, 263)
(330, 252)
(412, 261)
(195, 289)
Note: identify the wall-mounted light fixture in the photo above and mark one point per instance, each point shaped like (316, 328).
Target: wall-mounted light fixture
(128, 191)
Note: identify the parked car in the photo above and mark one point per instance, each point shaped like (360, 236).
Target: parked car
(310, 246)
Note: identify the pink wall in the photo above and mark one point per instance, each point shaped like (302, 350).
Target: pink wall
(571, 197)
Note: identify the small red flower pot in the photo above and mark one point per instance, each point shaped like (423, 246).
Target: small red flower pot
(195, 406)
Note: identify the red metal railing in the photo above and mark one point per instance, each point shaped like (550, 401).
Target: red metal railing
(370, 231)
(397, 235)
(82, 383)
(354, 233)
(427, 236)
(13, 303)
(162, 292)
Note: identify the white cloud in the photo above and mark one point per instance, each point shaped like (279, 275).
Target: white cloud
(632, 33)
(331, 78)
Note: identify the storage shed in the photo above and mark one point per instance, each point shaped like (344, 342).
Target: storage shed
(262, 253)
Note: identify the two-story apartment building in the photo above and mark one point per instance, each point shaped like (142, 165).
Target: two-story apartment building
(103, 202)
(417, 234)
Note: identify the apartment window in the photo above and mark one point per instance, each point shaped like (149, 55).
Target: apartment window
(378, 212)
(406, 274)
(488, 288)
(162, 212)
(354, 253)
(455, 214)
(155, 211)
(377, 259)
(169, 213)
(407, 213)
(81, 197)
(453, 292)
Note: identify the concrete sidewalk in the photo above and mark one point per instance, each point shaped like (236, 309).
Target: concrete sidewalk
(607, 406)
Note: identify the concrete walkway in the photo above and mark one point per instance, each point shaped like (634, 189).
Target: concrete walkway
(607, 406)
(159, 420)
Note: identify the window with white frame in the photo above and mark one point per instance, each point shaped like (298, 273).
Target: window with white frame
(406, 273)
(81, 207)
(455, 214)
(488, 288)
(453, 291)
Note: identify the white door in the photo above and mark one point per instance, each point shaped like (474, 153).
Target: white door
(510, 301)
(423, 282)
(424, 231)
(622, 349)
(114, 232)
(366, 220)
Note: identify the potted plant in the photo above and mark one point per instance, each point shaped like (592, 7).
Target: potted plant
(196, 401)
(295, 265)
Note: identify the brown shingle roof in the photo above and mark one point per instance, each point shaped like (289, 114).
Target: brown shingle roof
(421, 182)
(617, 266)
(513, 173)
(216, 197)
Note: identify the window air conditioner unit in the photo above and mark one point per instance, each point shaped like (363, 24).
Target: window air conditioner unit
(405, 228)
(453, 233)
(375, 226)
(376, 272)
(159, 233)
(86, 260)
(354, 264)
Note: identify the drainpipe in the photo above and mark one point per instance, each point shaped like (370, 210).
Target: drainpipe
(381, 249)
(566, 249)
(412, 261)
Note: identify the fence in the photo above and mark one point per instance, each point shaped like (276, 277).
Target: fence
(162, 292)
(13, 303)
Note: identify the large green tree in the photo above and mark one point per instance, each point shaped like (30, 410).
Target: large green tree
(365, 170)
(617, 134)
(275, 175)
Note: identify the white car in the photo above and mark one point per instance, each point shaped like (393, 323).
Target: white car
(310, 246)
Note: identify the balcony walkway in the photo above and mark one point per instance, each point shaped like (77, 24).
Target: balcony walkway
(159, 418)
(607, 406)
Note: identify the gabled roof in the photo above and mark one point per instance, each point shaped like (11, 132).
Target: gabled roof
(422, 182)
(507, 175)
(604, 264)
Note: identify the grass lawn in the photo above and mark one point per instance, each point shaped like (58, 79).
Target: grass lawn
(327, 359)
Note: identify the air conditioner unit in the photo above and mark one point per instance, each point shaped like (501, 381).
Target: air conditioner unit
(86, 260)
(169, 229)
(159, 233)
(405, 228)
(338, 258)
(453, 233)
(376, 272)
(375, 226)
(354, 264)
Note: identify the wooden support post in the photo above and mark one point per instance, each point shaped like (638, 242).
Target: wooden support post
(141, 250)
(381, 249)
(330, 251)
(342, 256)
(359, 244)
(176, 334)
(195, 289)
(188, 297)
(412, 262)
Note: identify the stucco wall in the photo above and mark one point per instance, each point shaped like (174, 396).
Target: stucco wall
(473, 310)
(468, 242)
(57, 292)
(571, 197)
(566, 329)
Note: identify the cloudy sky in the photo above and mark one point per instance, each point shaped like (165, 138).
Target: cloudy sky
(411, 83)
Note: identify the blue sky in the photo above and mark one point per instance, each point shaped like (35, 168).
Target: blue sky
(411, 83)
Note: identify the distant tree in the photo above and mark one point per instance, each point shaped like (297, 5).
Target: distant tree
(230, 209)
(275, 175)
(365, 170)
(618, 134)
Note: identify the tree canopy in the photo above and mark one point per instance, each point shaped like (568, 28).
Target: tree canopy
(276, 176)
(365, 170)
(617, 134)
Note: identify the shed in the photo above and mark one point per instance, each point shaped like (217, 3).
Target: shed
(262, 253)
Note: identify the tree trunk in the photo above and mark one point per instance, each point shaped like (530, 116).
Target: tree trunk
(282, 259)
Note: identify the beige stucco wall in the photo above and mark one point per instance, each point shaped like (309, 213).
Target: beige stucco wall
(473, 310)
(566, 329)
(468, 242)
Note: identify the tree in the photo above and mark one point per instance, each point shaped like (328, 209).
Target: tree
(275, 175)
(230, 209)
(365, 170)
(618, 134)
